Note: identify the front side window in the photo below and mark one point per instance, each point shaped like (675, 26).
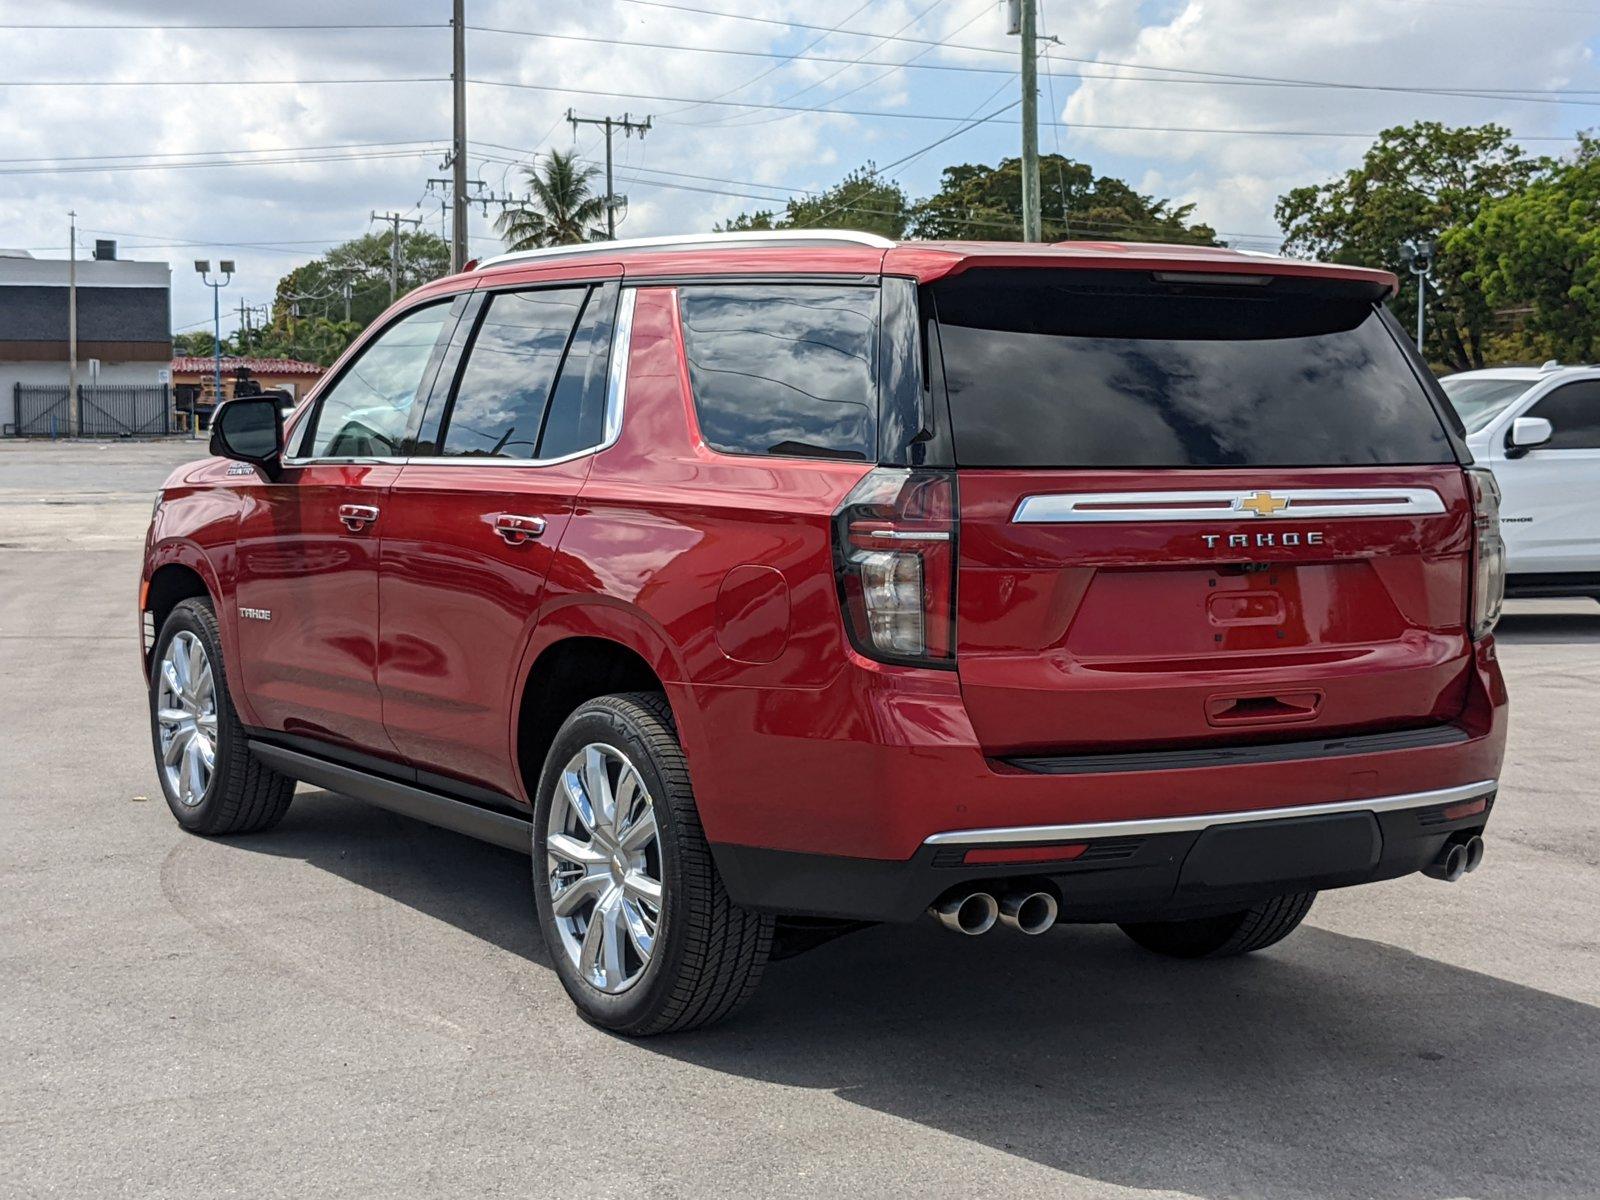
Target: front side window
(1573, 411)
(1479, 401)
(500, 401)
(787, 369)
(365, 413)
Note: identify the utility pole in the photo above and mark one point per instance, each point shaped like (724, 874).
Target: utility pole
(244, 326)
(629, 127)
(202, 267)
(72, 327)
(458, 141)
(395, 220)
(1024, 16)
(1418, 256)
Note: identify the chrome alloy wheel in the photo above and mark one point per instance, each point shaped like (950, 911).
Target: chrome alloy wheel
(603, 859)
(186, 715)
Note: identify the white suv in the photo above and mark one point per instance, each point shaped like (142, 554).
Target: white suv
(1538, 430)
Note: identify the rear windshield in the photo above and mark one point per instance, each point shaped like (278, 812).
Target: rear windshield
(1047, 373)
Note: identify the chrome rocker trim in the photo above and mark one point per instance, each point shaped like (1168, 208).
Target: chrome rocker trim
(1299, 504)
(1193, 824)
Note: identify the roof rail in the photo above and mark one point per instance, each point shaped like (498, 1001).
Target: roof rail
(709, 241)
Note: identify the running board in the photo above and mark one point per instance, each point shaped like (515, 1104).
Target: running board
(486, 825)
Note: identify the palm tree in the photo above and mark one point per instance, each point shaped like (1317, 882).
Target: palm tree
(562, 209)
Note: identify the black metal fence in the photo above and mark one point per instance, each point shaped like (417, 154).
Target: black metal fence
(104, 410)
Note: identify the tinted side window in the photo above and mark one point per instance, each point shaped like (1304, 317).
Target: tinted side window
(512, 363)
(577, 416)
(1574, 411)
(364, 414)
(784, 369)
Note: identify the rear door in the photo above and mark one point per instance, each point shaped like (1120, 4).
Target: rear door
(473, 521)
(1196, 513)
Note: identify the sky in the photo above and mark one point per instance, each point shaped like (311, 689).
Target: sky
(155, 135)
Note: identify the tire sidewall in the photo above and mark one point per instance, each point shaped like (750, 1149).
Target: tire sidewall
(187, 617)
(593, 723)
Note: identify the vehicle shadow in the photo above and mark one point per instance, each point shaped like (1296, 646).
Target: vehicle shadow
(1330, 1066)
(1520, 626)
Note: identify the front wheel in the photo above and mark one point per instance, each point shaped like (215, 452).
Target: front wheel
(1253, 928)
(213, 784)
(639, 925)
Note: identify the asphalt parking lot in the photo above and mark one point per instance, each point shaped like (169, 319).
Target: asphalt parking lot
(356, 1004)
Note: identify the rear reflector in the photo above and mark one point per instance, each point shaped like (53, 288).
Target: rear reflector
(1025, 854)
(1467, 808)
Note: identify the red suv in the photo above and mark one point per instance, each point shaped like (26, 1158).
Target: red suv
(764, 586)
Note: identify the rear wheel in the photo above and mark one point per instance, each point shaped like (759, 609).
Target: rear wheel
(640, 928)
(1253, 928)
(213, 784)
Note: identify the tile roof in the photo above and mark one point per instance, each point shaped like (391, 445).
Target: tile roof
(193, 364)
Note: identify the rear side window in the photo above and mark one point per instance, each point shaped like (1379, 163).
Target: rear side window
(500, 400)
(1573, 411)
(577, 416)
(784, 369)
(1042, 372)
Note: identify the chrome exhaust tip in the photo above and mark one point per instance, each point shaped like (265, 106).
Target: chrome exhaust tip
(1451, 864)
(1030, 912)
(970, 913)
(1474, 846)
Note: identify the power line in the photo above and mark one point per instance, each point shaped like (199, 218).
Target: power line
(856, 207)
(783, 59)
(52, 158)
(180, 82)
(295, 160)
(918, 116)
(1218, 79)
(275, 25)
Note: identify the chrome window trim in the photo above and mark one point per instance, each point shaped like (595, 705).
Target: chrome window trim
(1074, 508)
(611, 429)
(1193, 824)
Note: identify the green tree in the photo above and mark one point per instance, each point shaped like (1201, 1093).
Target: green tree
(861, 200)
(977, 201)
(308, 309)
(562, 208)
(199, 343)
(1539, 249)
(1419, 181)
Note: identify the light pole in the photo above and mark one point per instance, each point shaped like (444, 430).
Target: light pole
(1418, 256)
(202, 268)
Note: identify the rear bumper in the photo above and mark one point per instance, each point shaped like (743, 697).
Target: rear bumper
(1159, 868)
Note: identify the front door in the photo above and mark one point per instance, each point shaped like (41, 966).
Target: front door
(471, 530)
(307, 578)
(1550, 496)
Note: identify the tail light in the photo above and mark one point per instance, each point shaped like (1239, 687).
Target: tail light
(895, 556)
(1488, 554)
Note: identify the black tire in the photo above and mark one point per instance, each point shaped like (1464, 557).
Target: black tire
(243, 795)
(709, 953)
(1255, 928)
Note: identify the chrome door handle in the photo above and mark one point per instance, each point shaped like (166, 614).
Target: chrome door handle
(357, 517)
(517, 530)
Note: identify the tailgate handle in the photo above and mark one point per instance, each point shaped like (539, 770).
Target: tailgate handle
(1263, 710)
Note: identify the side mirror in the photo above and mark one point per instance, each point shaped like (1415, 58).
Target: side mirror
(1526, 433)
(250, 429)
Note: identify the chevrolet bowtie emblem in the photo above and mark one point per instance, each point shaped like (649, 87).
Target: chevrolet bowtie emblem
(1262, 504)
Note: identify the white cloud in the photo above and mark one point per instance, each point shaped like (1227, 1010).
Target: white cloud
(1234, 180)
